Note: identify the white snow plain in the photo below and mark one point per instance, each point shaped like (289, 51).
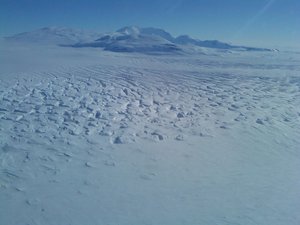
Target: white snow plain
(101, 138)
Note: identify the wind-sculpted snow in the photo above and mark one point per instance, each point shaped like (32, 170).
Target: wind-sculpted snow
(135, 139)
(128, 104)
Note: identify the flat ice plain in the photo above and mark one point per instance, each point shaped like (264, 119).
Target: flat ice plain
(91, 137)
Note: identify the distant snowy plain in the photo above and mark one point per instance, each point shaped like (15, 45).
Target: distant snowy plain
(208, 137)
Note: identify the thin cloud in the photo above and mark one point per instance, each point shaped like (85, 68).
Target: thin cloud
(251, 21)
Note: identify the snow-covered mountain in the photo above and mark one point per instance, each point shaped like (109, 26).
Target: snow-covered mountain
(134, 39)
(126, 39)
(54, 35)
(187, 40)
(158, 32)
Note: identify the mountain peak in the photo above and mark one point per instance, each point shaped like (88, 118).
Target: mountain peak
(148, 31)
(157, 32)
(130, 30)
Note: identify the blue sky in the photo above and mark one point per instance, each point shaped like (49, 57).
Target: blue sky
(270, 23)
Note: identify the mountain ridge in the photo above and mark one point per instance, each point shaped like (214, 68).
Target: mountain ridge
(125, 39)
